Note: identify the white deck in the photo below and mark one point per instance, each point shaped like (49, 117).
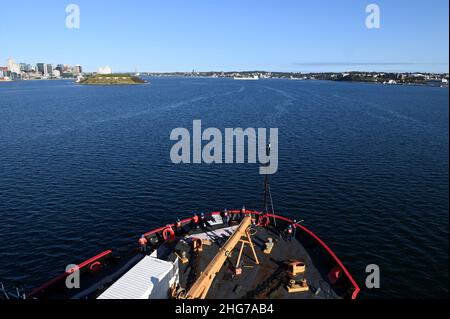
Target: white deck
(215, 234)
(151, 278)
(216, 220)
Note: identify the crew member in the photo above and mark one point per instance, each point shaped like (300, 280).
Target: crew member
(143, 244)
(290, 232)
(225, 217)
(178, 227)
(243, 212)
(203, 222)
(195, 221)
(294, 226)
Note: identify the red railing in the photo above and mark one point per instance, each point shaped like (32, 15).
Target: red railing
(317, 238)
(68, 272)
(187, 220)
(328, 249)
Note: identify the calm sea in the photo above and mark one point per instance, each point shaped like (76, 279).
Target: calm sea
(84, 169)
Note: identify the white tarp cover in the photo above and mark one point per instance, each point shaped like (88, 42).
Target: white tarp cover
(151, 278)
(215, 234)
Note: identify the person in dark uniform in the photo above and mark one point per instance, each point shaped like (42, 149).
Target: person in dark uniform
(242, 214)
(290, 232)
(294, 226)
(204, 224)
(178, 227)
(195, 221)
(226, 217)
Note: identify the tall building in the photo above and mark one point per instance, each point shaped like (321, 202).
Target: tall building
(25, 67)
(60, 68)
(49, 69)
(41, 68)
(77, 69)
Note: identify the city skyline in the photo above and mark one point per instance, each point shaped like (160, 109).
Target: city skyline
(285, 36)
(48, 68)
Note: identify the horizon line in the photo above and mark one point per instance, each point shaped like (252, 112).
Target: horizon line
(266, 71)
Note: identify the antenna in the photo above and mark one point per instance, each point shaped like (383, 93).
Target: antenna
(266, 180)
(267, 190)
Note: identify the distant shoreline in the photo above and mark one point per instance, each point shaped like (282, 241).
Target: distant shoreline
(404, 79)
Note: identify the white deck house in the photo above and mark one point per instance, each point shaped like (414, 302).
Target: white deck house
(151, 278)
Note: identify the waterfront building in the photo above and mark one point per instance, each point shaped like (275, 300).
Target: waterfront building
(60, 68)
(104, 70)
(12, 66)
(77, 69)
(40, 68)
(25, 67)
(49, 69)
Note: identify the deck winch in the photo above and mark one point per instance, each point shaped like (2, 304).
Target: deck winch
(300, 286)
(296, 267)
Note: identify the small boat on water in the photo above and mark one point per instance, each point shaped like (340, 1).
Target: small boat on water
(247, 78)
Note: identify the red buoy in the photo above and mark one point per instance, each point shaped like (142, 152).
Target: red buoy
(334, 275)
(168, 233)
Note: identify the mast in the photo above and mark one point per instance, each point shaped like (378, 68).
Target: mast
(266, 181)
(267, 190)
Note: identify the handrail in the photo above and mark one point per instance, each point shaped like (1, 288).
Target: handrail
(317, 238)
(328, 249)
(186, 220)
(68, 272)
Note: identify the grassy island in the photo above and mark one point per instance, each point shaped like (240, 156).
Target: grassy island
(112, 79)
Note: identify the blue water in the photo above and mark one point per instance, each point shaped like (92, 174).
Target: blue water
(85, 168)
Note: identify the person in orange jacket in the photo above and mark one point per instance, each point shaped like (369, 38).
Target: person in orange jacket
(143, 244)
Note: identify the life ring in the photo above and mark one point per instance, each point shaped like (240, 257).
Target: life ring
(264, 220)
(95, 266)
(334, 275)
(168, 233)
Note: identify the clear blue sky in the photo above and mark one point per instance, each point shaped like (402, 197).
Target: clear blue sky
(181, 35)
